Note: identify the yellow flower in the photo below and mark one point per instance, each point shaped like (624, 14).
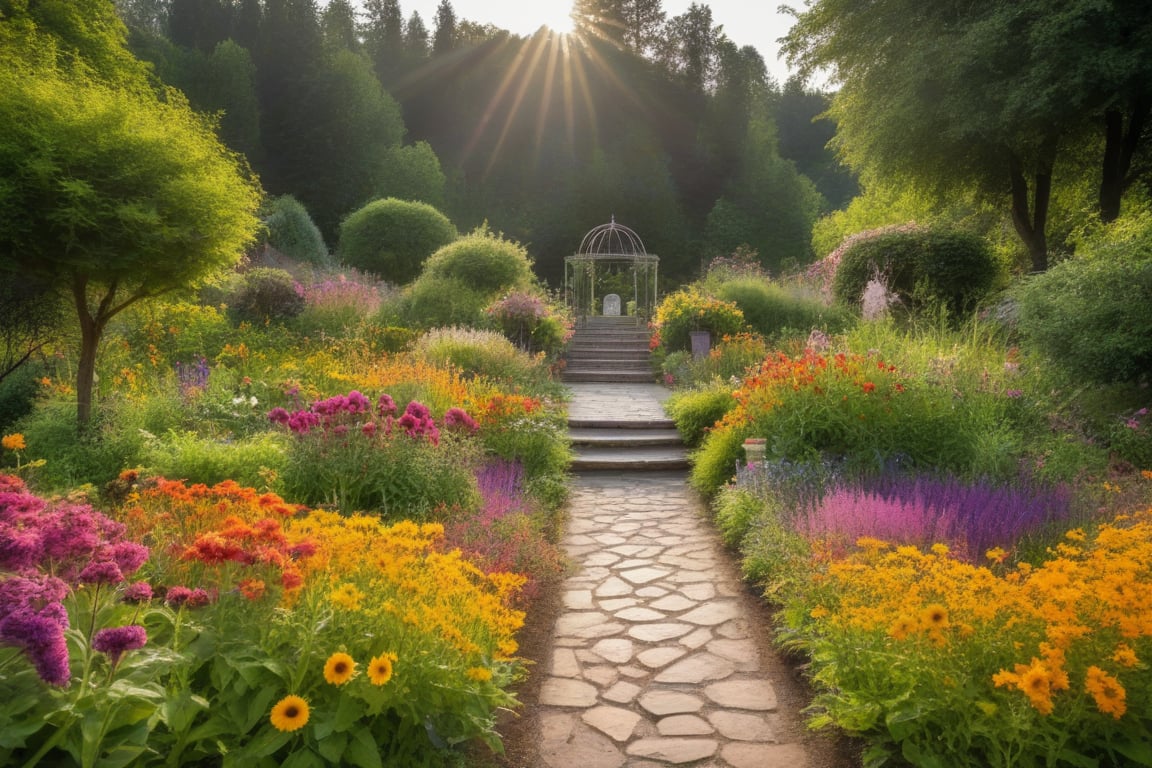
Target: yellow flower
(940, 549)
(380, 668)
(347, 596)
(1125, 656)
(340, 668)
(1076, 534)
(1036, 684)
(818, 612)
(934, 616)
(987, 707)
(902, 627)
(479, 674)
(290, 714)
(1106, 690)
(13, 442)
(996, 554)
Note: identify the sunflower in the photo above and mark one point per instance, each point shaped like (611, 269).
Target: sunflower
(380, 668)
(902, 627)
(339, 668)
(934, 616)
(290, 714)
(1109, 694)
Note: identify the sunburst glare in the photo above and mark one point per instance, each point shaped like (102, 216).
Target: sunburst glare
(555, 14)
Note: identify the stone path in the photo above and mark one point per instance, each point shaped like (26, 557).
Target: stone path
(654, 660)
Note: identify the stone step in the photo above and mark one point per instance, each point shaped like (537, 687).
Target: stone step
(601, 364)
(601, 321)
(610, 377)
(608, 422)
(608, 341)
(656, 458)
(607, 353)
(623, 438)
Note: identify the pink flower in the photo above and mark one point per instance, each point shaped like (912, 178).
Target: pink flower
(386, 405)
(456, 418)
(139, 592)
(102, 572)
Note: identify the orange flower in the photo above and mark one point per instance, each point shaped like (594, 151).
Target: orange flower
(1109, 694)
(13, 442)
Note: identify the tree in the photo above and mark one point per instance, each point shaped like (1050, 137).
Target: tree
(1021, 85)
(416, 38)
(690, 47)
(603, 19)
(30, 319)
(384, 37)
(339, 25)
(642, 21)
(113, 196)
(444, 40)
(199, 24)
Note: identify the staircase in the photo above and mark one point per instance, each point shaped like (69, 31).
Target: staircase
(609, 349)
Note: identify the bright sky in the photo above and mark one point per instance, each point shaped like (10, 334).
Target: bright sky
(746, 22)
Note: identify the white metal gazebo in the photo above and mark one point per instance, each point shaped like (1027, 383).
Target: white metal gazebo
(611, 259)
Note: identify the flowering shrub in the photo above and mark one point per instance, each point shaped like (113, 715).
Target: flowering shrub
(366, 456)
(689, 310)
(480, 353)
(531, 322)
(263, 631)
(1131, 439)
(850, 406)
(338, 303)
(952, 663)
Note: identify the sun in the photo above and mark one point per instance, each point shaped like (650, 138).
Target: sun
(556, 15)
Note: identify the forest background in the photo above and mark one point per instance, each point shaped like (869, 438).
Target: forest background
(662, 122)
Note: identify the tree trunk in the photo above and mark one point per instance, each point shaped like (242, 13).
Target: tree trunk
(1120, 146)
(1031, 221)
(91, 329)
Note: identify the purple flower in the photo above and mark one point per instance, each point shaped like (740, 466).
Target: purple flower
(417, 411)
(386, 405)
(193, 598)
(139, 592)
(129, 556)
(1014, 393)
(357, 402)
(101, 572)
(278, 416)
(21, 548)
(42, 639)
(116, 641)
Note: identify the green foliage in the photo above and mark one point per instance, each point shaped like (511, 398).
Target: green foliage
(292, 232)
(922, 266)
(413, 172)
(696, 411)
(689, 310)
(714, 463)
(770, 308)
(480, 353)
(483, 260)
(250, 461)
(438, 302)
(392, 238)
(18, 392)
(1089, 315)
(265, 295)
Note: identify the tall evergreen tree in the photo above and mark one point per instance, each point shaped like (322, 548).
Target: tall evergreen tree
(199, 24)
(602, 19)
(690, 48)
(384, 37)
(444, 40)
(339, 25)
(416, 38)
(643, 21)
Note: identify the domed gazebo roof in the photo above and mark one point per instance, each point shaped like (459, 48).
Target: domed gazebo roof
(612, 240)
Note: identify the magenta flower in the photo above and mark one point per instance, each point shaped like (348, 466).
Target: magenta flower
(42, 639)
(456, 418)
(192, 598)
(369, 429)
(278, 416)
(357, 403)
(116, 641)
(139, 592)
(129, 556)
(101, 572)
(386, 405)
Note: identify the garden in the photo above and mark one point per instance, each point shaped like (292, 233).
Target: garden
(943, 484)
(304, 524)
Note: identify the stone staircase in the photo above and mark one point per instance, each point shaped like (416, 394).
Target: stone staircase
(609, 349)
(620, 427)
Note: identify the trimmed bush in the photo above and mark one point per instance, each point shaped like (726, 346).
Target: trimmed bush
(1090, 316)
(922, 266)
(435, 302)
(392, 238)
(769, 308)
(292, 231)
(483, 260)
(265, 295)
(478, 353)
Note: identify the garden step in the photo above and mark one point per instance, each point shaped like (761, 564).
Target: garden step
(610, 376)
(623, 437)
(611, 322)
(654, 458)
(606, 353)
(657, 424)
(601, 364)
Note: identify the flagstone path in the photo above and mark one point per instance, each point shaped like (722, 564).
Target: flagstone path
(656, 657)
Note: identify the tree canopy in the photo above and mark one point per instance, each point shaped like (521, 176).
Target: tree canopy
(113, 195)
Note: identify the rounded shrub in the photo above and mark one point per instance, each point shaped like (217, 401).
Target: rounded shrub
(689, 310)
(696, 411)
(392, 238)
(483, 260)
(265, 295)
(1090, 316)
(434, 302)
(921, 266)
(769, 308)
(292, 232)
(478, 353)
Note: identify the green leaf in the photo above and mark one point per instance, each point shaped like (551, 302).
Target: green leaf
(362, 751)
(303, 758)
(1139, 752)
(348, 712)
(259, 707)
(1068, 757)
(181, 709)
(331, 748)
